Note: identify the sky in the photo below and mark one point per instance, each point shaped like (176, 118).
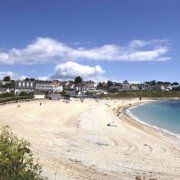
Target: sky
(134, 40)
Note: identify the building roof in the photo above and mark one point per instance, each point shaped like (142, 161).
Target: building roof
(55, 83)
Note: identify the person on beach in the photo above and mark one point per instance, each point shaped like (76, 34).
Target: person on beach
(82, 100)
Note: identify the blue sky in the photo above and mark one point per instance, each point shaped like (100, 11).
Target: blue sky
(135, 40)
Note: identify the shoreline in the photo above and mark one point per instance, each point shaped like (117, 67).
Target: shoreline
(165, 132)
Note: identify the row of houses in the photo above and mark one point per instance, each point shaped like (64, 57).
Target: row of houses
(53, 86)
(73, 89)
(117, 87)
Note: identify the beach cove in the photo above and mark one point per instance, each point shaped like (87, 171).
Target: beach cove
(161, 114)
(95, 139)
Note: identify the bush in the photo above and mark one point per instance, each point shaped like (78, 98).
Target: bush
(7, 94)
(16, 98)
(23, 93)
(16, 159)
(8, 85)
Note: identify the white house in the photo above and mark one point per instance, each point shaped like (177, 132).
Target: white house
(57, 86)
(39, 95)
(4, 90)
(44, 86)
(27, 86)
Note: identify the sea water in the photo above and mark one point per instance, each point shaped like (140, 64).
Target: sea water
(162, 114)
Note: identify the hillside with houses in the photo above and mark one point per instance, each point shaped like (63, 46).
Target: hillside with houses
(56, 89)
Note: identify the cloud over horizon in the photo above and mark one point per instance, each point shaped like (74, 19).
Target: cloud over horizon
(48, 50)
(70, 70)
(12, 75)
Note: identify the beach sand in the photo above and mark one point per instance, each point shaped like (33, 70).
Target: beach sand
(93, 140)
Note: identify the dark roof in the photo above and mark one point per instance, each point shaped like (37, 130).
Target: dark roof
(39, 81)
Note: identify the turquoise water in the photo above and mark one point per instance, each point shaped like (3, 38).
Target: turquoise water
(162, 114)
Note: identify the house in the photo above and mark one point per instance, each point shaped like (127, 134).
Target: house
(168, 87)
(176, 88)
(71, 93)
(57, 86)
(90, 86)
(81, 94)
(4, 82)
(162, 88)
(69, 85)
(80, 87)
(43, 86)
(54, 96)
(116, 87)
(4, 90)
(134, 87)
(84, 87)
(126, 87)
(27, 86)
(39, 95)
(142, 87)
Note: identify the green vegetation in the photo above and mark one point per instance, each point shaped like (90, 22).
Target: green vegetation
(16, 159)
(9, 85)
(6, 78)
(23, 93)
(153, 94)
(15, 98)
(5, 95)
(78, 79)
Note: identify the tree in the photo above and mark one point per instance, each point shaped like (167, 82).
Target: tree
(7, 94)
(153, 83)
(6, 78)
(147, 83)
(23, 93)
(175, 83)
(100, 85)
(9, 85)
(160, 83)
(78, 79)
(109, 83)
(26, 79)
(16, 158)
(125, 82)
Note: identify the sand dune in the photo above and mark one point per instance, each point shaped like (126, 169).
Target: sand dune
(90, 141)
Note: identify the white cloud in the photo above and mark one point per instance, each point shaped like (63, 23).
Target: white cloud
(135, 82)
(69, 70)
(47, 50)
(12, 75)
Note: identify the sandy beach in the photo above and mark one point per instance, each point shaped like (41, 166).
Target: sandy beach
(93, 140)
